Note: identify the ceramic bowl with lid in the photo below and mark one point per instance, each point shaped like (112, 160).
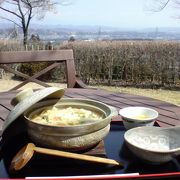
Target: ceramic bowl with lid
(72, 137)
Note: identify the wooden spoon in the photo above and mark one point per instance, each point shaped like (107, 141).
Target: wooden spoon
(26, 153)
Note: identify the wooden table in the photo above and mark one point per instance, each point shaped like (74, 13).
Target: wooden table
(169, 115)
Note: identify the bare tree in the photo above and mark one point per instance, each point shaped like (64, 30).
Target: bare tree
(22, 11)
(159, 5)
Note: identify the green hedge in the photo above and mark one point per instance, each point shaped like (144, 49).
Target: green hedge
(147, 63)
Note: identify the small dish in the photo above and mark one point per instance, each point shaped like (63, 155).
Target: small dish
(138, 116)
(154, 145)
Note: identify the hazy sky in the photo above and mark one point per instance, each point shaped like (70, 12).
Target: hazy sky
(115, 13)
(118, 13)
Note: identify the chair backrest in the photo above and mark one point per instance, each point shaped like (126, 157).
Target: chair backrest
(54, 56)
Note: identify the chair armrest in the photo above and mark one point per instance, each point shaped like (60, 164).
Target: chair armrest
(79, 83)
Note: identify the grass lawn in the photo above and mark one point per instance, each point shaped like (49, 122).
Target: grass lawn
(165, 95)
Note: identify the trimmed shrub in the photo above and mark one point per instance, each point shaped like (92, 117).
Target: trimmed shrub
(137, 63)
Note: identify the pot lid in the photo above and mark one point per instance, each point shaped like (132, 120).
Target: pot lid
(26, 98)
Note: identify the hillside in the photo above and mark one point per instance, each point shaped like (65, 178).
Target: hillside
(56, 33)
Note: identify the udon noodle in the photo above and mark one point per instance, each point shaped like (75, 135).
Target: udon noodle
(65, 116)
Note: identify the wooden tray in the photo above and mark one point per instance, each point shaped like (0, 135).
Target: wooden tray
(113, 147)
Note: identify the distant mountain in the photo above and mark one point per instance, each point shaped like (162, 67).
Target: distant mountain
(59, 33)
(163, 29)
(63, 27)
(81, 28)
(95, 28)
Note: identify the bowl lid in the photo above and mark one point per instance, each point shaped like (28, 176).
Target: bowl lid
(27, 98)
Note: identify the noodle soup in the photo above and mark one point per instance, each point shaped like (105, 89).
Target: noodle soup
(65, 116)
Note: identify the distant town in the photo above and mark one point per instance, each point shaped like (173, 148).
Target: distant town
(59, 33)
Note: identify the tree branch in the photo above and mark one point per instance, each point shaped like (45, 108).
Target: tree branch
(10, 2)
(11, 21)
(23, 20)
(25, 11)
(162, 6)
(7, 10)
(20, 10)
(29, 16)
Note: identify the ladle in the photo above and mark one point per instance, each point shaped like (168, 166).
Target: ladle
(154, 144)
(26, 153)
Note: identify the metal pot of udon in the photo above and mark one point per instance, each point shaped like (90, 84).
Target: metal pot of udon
(71, 136)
